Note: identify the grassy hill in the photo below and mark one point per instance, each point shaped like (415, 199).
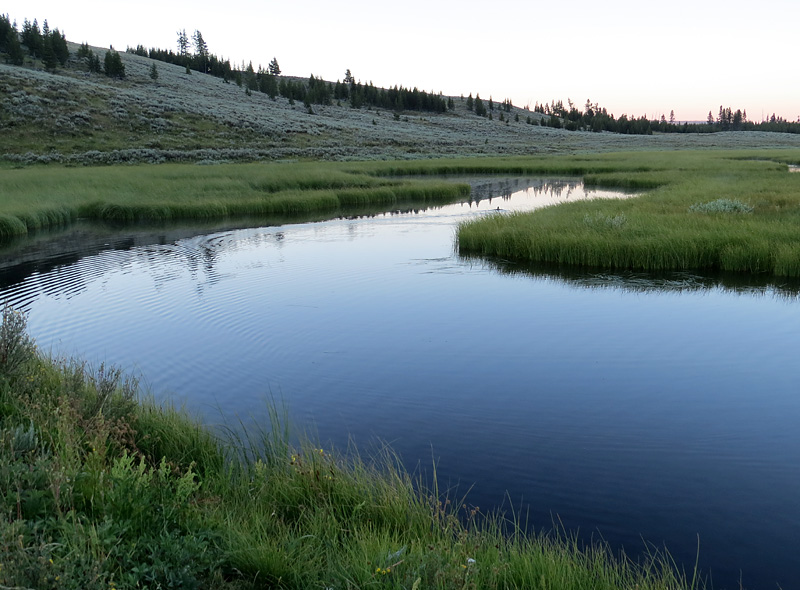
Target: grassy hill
(73, 116)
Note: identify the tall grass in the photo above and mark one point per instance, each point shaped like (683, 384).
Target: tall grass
(679, 224)
(44, 197)
(104, 490)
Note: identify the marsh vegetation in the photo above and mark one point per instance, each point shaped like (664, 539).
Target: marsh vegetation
(731, 211)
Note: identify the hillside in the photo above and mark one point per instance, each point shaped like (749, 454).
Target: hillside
(73, 116)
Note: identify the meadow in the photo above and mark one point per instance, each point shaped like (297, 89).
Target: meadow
(700, 210)
(103, 488)
(732, 211)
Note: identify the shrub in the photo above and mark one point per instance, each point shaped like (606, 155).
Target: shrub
(721, 206)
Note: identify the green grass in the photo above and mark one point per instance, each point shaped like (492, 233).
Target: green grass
(100, 489)
(44, 197)
(679, 223)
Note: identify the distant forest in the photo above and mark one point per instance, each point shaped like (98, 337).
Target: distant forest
(595, 118)
(49, 46)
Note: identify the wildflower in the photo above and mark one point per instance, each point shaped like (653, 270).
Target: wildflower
(470, 561)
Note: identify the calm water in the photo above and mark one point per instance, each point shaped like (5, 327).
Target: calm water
(630, 407)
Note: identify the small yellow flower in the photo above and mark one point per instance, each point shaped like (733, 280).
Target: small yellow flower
(51, 561)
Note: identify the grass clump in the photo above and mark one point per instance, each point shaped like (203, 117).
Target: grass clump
(100, 489)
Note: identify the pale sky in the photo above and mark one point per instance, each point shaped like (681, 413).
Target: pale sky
(633, 57)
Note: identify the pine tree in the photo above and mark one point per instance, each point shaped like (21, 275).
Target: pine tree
(114, 68)
(183, 43)
(32, 38)
(5, 31)
(274, 68)
(672, 117)
(348, 77)
(480, 109)
(469, 102)
(201, 51)
(49, 60)
(153, 72)
(14, 49)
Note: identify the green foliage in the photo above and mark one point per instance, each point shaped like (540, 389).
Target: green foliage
(153, 72)
(113, 66)
(480, 109)
(16, 347)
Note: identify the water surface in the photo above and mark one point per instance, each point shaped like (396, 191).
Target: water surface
(631, 407)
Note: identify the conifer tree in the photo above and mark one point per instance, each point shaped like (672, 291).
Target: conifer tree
(480, 109)
(469, 102)
(200, 51)
(114, 68)
(153, 72)
(183, 43)
(49, 60)
(14, 49)
(274, 68)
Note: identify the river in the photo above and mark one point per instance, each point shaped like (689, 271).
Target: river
(642, 410)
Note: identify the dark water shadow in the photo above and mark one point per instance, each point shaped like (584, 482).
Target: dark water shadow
(648, 282)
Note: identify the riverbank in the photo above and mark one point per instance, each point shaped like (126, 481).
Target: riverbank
(729, 211)
(703, 210)
(102, 489)
(46, 197)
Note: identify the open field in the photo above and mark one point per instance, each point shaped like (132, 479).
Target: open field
(103, 490)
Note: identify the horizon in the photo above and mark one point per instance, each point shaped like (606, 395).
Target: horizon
(670, 62)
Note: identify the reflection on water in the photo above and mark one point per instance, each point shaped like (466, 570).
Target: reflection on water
(632, 406)
(644, 282)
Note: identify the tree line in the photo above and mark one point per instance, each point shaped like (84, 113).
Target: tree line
(597, 119)
(48, 45)
(193, 54)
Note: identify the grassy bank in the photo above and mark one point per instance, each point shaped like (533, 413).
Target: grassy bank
(716, 210)
(732, 211)
(101, 490)
(44, 197)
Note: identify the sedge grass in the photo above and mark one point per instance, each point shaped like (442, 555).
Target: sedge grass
(101, 490)
(676, 225)
(44, 197)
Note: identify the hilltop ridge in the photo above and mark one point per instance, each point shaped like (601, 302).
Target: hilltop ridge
(73, 116)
